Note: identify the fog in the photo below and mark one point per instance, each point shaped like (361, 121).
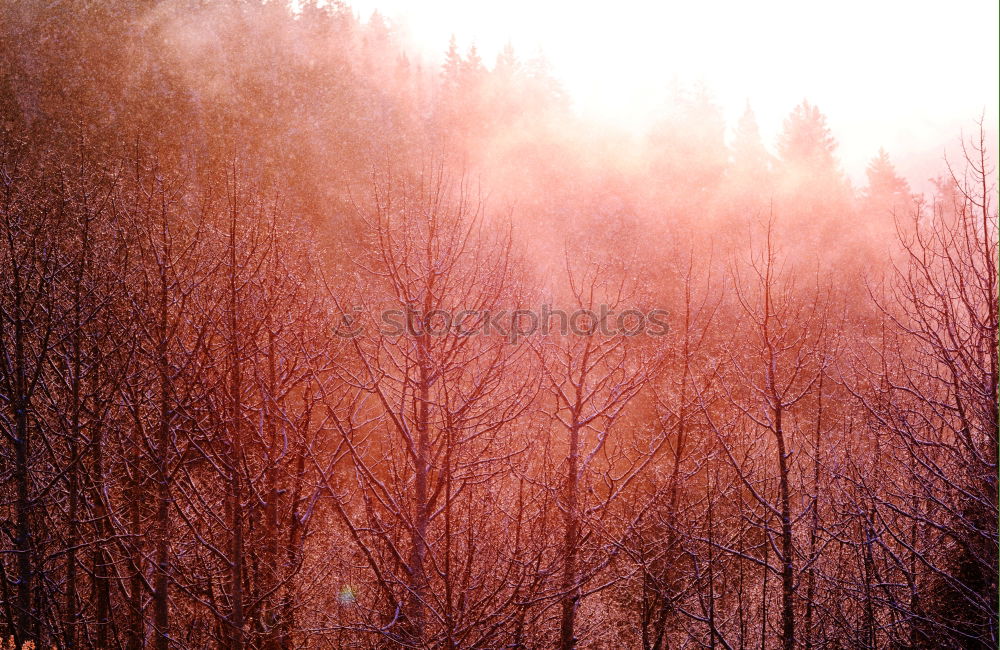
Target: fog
(520, 325)
(898, 75)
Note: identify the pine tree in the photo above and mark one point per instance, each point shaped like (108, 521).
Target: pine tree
(812, 195)
(451, 69)
(751, 162)
(507, 65)
(806, 141)
(885, 186)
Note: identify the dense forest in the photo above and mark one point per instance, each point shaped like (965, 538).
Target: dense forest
(210, 212)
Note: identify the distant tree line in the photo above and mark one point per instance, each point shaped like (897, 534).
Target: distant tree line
(197, 197)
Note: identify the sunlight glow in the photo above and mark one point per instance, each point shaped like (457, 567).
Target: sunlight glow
(893, 74)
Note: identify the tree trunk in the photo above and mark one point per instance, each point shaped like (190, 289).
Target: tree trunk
(161, 581)
(787, 559)
(570, 588)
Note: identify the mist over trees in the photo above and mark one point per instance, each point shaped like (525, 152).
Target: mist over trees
(211, 211)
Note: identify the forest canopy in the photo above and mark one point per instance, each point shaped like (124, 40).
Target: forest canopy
(306, 342)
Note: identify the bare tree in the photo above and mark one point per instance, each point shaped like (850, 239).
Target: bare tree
(428, 426)
(937, 378)
(33, 209)
(776, 365)
(593, 369)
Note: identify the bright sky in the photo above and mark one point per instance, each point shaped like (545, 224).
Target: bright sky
(906, 75)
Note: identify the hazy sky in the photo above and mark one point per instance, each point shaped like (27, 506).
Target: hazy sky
(903, 75)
